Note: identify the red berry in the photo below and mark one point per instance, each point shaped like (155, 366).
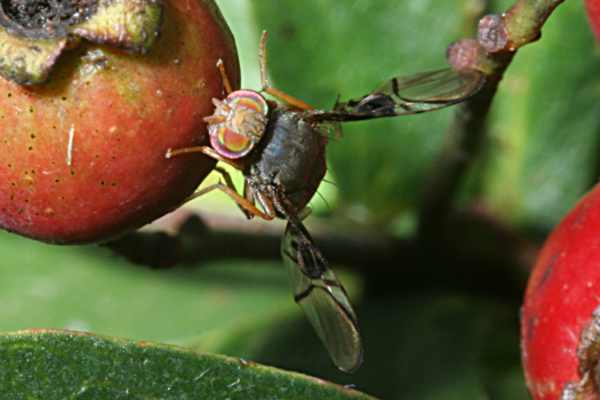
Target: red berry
(82, 156)
(560, 334)
(593, 12)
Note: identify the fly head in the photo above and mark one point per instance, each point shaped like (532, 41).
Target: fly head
(238, 123)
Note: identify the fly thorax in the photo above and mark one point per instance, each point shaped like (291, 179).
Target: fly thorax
(238, 123)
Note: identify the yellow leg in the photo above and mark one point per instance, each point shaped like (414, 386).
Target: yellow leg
(243, 203)
(206, 150)
(267, 88)
(229, 183)
(226, 178)
(249, 195)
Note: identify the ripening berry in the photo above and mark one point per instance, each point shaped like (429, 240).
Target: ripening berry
(86, 118)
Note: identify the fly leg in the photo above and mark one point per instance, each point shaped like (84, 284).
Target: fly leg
(267, 88)
(302, 215)
(247, 207)
(206, 150)
(249, 195)
(245, 203)
(230, 185)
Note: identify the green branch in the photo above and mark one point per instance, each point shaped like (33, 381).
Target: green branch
(524, 20)
(498, 39)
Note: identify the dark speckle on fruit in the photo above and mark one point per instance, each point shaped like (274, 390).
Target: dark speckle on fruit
(547, 271)
(116, 137)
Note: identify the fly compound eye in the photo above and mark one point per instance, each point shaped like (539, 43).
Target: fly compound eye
(238, 123)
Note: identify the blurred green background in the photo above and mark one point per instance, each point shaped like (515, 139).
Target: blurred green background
(423, 340)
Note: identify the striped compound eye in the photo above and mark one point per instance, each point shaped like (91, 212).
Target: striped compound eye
(238, 123)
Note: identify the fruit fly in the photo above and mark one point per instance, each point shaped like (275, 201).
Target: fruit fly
(280, 149)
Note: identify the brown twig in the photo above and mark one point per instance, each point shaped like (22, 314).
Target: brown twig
(499, 38)
(480, 253)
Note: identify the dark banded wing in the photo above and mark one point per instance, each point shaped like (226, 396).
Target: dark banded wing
(427, 91)
(322, 298)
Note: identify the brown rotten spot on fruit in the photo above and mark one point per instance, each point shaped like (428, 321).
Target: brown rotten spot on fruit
(34, 33)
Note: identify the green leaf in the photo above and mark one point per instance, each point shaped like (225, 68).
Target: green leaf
(89, 288)
(46, 364)
(318, 50)
(545, 124)
(433, 346)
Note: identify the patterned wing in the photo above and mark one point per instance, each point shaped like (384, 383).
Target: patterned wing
(322, 298)
(427, 91)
